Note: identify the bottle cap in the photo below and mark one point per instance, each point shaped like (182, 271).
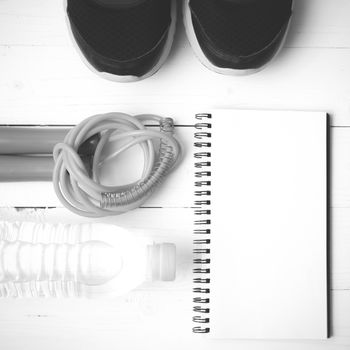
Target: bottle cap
(162, 261)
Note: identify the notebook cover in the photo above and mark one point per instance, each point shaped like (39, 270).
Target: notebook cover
(268, 225)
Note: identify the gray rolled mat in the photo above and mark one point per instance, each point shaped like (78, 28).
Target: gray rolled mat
(30, 139)
(26, 168)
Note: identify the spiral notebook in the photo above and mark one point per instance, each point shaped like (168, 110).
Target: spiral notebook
(260, 233)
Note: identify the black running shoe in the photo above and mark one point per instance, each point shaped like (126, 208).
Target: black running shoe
(122, 40)
(237, 36)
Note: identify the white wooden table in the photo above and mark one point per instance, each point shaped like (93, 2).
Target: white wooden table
(42, 80)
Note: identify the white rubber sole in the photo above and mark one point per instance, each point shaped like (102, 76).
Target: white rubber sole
(192, 38)
(128, 78)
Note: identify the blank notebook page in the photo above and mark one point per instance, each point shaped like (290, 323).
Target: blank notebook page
(269, 225)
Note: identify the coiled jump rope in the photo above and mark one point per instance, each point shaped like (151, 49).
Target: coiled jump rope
(74, 159)
(79, 187)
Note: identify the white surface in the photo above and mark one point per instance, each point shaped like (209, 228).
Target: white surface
(42, 79)
(269, 241)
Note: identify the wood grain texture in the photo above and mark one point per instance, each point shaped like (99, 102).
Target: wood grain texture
(43, 77)
(42, 80)
(177, 191)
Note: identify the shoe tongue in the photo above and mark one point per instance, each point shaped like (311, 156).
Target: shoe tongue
(119, 3)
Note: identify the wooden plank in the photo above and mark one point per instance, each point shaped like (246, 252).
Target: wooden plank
(51, 85)
(175, 225)
(177, 190)
(320, 24)
(339, 245)
(340, 167)
(316, 23)
(155, 317)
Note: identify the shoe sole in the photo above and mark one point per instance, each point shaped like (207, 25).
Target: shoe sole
(128, 78)
(192, 38)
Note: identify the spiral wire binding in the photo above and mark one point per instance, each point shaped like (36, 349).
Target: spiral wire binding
(202, 223)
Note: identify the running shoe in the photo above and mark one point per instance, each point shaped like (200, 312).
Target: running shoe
(237, 36)
(122, 40)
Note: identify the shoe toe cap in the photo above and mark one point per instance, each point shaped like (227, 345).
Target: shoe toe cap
(120, 41)
(239, 35)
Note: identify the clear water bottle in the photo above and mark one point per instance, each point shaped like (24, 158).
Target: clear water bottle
(87, 260)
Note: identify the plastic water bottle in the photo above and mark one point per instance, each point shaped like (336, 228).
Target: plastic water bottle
(87, 260)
